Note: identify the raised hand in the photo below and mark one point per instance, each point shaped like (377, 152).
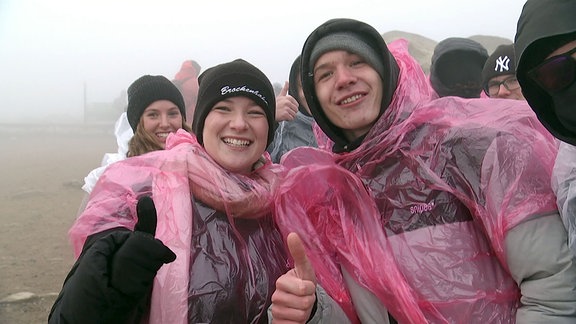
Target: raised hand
(295, 293)
(136, 262)
(286, 105)
(113, 274)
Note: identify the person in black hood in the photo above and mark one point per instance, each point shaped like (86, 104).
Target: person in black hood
(545, 44)
(426, 206)
(456, 67)
(373, 50)
(546, 68)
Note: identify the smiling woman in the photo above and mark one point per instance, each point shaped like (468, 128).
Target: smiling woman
(155, 109)
(206, 249)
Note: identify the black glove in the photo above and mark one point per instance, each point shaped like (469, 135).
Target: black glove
(115, 271)
(86, 296)
(136, 262)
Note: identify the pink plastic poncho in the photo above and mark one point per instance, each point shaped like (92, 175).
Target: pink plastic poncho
(170, 176)
(418, 214)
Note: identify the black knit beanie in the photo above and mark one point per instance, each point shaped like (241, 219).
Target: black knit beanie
(148, 89)
(233, 79)
(501, 62)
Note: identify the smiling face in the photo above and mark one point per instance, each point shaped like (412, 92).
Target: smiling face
(161, 118)
(349, 91)
(235, 133)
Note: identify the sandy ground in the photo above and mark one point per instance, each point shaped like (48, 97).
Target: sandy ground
(41, 175)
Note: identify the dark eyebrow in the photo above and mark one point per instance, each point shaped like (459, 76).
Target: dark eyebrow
(321, 66)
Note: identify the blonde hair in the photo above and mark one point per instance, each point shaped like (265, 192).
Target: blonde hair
(144, 142)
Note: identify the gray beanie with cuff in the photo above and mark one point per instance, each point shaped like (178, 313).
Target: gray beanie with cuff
(349, 42)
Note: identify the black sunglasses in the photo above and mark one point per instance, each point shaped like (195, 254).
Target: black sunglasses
(556, 73)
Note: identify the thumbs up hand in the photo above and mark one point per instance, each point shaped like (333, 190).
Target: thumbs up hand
(302, 267)
(295, 294)
(136, 262)
(286, 105)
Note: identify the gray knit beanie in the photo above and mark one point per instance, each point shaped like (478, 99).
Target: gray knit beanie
(350, 42)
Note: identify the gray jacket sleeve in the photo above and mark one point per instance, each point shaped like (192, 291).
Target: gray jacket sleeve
(327, 311)
(564, 185)
(275, 148)
(544, 269)
(367, 305)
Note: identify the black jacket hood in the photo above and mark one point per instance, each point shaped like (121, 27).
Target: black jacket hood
(365, 33)
(460, 59)
(542, 27)
(293, 84)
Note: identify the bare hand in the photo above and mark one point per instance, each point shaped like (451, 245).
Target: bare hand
(295, 294)
(286, 105)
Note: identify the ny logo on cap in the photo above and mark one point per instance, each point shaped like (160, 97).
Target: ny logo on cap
(502, 63)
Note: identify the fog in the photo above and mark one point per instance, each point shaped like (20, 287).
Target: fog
(58, 56)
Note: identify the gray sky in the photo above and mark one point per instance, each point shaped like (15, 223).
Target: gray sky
(50, 49)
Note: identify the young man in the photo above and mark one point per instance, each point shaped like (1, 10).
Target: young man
(431, 210)
(499, 74)
(546, 45)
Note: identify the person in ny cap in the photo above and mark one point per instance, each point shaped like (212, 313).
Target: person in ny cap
(426, 210)
(185, 234)
(456, 67)
(546, 69)
(499, 74)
